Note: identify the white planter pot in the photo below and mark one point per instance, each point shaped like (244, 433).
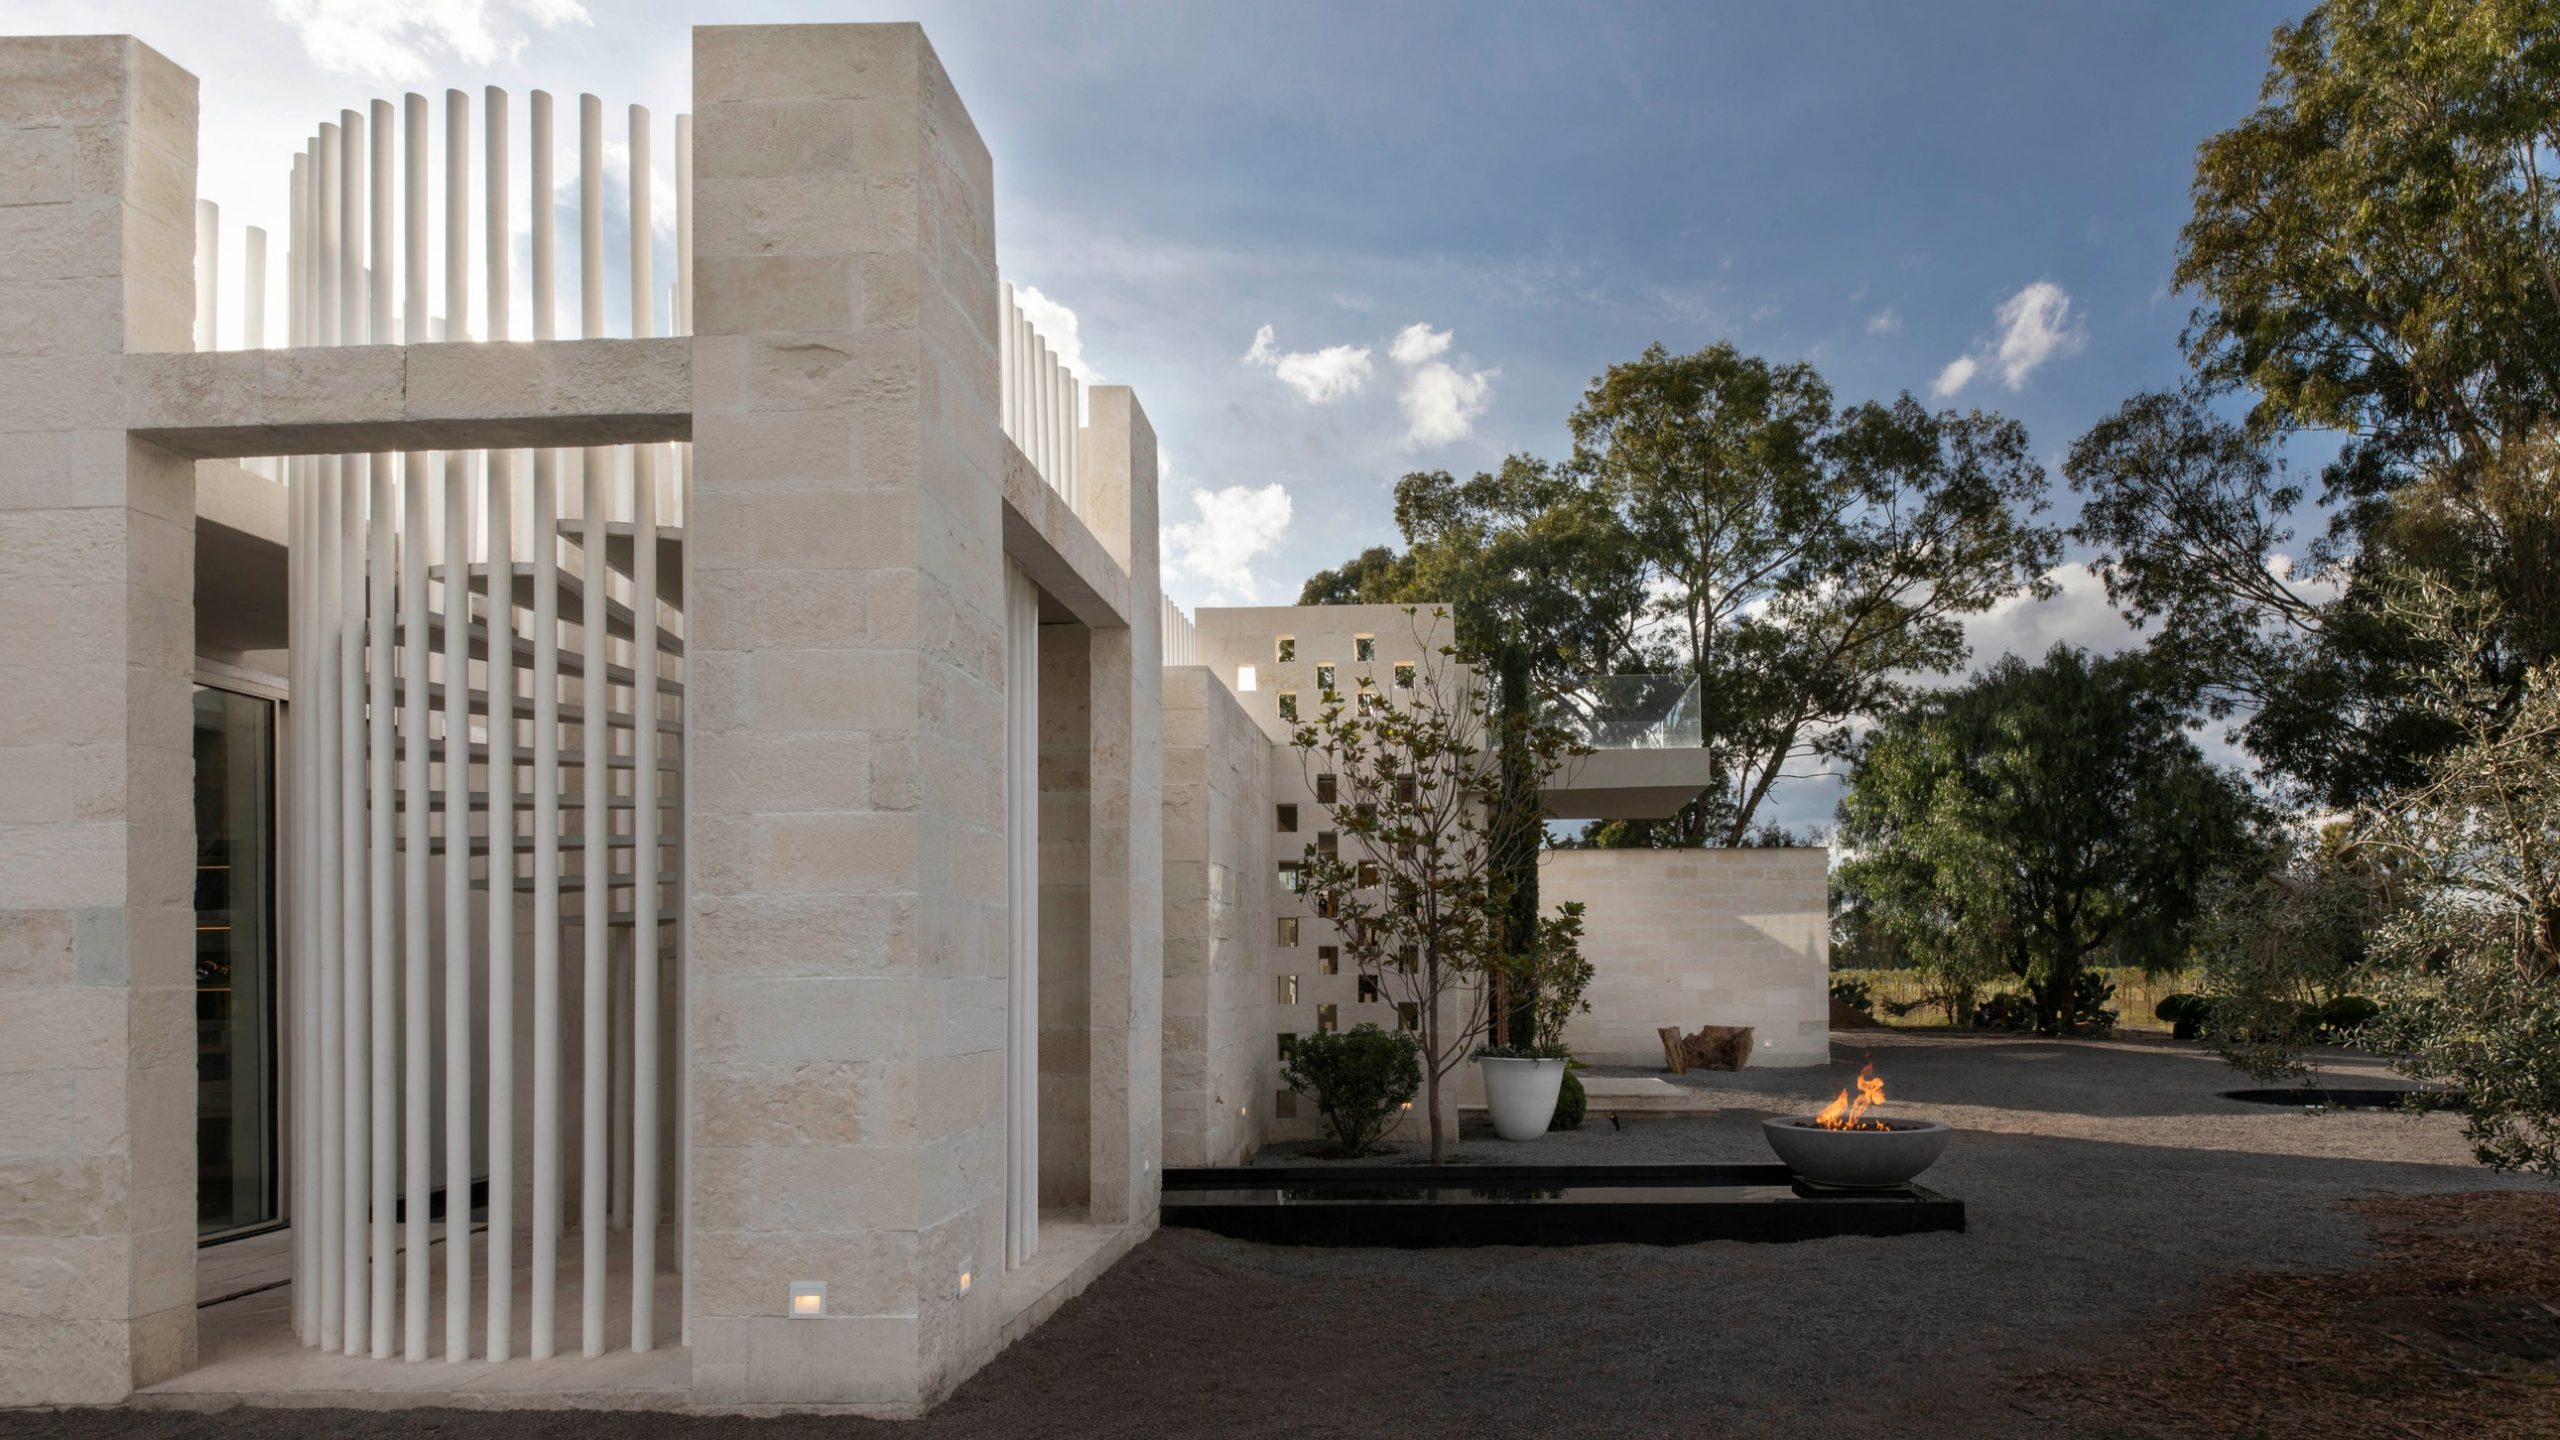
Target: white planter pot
(1521, 1094)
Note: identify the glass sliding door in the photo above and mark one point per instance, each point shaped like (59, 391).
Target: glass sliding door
(236, 1179)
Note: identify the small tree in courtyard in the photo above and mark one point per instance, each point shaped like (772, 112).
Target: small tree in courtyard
(1417, 799)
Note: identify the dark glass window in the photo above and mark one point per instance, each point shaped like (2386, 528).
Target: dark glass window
(235, 962)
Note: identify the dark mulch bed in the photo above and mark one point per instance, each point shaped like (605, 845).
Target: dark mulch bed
(2453, 1332)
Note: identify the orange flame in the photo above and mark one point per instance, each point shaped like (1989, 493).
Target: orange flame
(1847, 1114)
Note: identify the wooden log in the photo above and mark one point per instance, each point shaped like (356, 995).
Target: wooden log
(1718, 1047)
(1672, 1053)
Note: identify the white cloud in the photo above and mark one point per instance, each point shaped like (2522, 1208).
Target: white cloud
(1418, 342)
(1884, 322)
(2076, 614)
(1317, 375)
(1057, 325)
(400, 41)
(2036, 326)
(1957, 375)
(1237, 525)
(1441, 402)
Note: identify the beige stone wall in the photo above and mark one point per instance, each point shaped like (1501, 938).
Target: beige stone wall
(846, 853)
(1220, 1062)
(1700, 937)
(97, 822)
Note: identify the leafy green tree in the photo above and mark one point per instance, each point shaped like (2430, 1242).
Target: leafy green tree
(2374, 255)
(2471, 965)
(2046, 818)
(2280, 941)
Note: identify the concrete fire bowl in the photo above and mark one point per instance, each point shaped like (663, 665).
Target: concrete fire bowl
(1856, 1159)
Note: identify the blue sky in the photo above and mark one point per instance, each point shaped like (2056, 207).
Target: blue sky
(1886, 190)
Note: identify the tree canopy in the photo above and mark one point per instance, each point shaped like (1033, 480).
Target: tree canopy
(2055, 816)
(1721, 517)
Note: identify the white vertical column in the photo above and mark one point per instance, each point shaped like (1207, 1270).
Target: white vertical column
(457, 760)
(503, 466)
(253, 289)
(355, 932)
(644, 899)
(1004, 357)
(596, 875)
(384, 1082)
(682, 321)
(416, 944)
(302, 1084)
(545, 541)
(331, 1020)
(208, 274)
(381, 177)
(596, 863)
(358, 873)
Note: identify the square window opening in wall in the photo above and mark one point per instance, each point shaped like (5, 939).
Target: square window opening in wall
(1328, 959)
(1289, 706)
(1408, 1015)
(1408, 789)
(1245, 679)
(1324, 680)
(1364, 648)
(1409, 960)
(1328, 1019)
(1286, 651)
(1368, 875)
(1325, 789)
(1404, 674)
(1288, 931)
(1288, 817)
(1328, 906)
(1292, 877)
(1370, 704)
(1288, 1042)
(1288, 989)
(1285, 1104)
(1368, 989)
(1328, 843)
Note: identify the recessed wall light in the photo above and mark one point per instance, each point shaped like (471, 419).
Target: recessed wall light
(808, 1299)
(968, 1270)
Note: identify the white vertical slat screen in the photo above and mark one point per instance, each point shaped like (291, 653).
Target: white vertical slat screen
(431, 751)
(1040, 401)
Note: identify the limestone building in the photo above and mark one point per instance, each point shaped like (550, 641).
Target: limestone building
(637, 832)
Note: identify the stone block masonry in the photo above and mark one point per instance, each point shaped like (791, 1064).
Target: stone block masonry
(97, 826)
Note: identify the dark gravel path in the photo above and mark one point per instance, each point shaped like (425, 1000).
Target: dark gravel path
(2107, 1185)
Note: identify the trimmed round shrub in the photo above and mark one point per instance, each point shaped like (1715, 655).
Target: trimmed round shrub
(1570, 1103)
(2186, 1013)
(1358, 1078)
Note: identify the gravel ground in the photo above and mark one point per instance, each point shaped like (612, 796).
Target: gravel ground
(2106, 1182)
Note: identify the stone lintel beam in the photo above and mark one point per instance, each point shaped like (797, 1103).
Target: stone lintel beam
(358, 399)
(1044, 536)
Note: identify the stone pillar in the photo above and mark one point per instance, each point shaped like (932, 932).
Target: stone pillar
(846, 856)
(97, 815)
(1117, 470)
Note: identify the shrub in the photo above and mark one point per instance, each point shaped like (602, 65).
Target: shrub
(1570, 1103)
(2185, 1013)
(2005, 1011)
(1855, 993)
(1359, 1080)
(2346, 1014)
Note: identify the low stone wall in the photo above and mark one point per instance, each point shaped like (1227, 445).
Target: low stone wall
(1700, 937)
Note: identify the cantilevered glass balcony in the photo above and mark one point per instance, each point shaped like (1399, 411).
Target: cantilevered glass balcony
(1630, 712)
